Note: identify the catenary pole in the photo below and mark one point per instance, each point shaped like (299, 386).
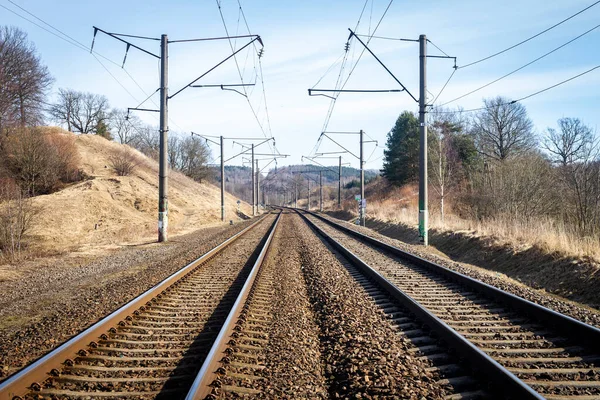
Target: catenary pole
(321, 191)
(163, 202)
(222, 181)
(340, 183)
(362, 180)
(308, 204)
(423, 212)
(253, 185)
(257, 187)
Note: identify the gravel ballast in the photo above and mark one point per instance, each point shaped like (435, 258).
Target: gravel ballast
(294, 368)
(362, 354)
(569, 308)
(63, 301)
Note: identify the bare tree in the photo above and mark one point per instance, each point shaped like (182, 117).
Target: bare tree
(123, 126)
(194, 158)
(17, 214)
(24, 80)
(174, 155)
(575, 148)
(571, 143)
(445, 164)
(82, 112)
(65, 107)
(503, 129)
(38, 161)
(146, 140)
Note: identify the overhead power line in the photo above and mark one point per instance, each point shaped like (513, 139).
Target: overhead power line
(530, 38)
(522, 67)
(530, 95)
(254, 112)
(340, 83)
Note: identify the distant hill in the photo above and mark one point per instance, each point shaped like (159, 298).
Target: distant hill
(238, 180)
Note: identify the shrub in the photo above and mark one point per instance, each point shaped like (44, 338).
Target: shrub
(39, 160)
(123, 161)
(17, 214)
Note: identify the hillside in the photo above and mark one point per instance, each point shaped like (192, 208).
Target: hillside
(108, 209)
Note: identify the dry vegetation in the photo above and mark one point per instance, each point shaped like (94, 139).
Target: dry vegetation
(107, 210)
(399, 205)
(123, 161)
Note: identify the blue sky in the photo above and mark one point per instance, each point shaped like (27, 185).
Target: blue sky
(302, 40)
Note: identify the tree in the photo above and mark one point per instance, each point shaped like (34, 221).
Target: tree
(570, 143)
(194, 158)
(575, 148)
(146, 140)
(66, 106)
(401, 157)
(444, 158)
(503, 129)
(38, 160)
(24, 80)
(82, 112)
(102, 130)
(174, 155)
(124, 127)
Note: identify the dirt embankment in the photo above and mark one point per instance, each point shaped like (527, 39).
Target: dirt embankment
(107, 210)
(570, 277)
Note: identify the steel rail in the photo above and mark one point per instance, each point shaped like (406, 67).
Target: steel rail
(483, 365)
(20, 383)
(569, 326)
(209, 372)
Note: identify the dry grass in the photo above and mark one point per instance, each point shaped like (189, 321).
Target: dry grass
(399, 206)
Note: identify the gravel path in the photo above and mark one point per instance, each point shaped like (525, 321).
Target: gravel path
(582, 313)
(62, 301)
(362, 354)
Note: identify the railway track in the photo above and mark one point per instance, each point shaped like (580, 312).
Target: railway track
(153, 346)
(528, 351)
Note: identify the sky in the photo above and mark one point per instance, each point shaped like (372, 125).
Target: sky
(303, 47)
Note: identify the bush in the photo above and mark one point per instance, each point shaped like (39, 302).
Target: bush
(123, 161)
(40, 160)
(17, 214)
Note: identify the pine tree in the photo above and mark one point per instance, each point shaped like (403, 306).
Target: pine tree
(401, 162)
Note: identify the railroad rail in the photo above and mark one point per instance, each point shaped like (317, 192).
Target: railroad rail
(153, 345)
(524, 350)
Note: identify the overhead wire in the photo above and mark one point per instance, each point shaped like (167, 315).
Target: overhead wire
(529, 95)
(74, 42)
(254, 112)
(335, 97)
(522, 67)
(530, 38)
(337, 86)
(444, 87)
(338, 81)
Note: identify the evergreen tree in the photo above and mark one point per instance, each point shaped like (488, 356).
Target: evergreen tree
(401, 157)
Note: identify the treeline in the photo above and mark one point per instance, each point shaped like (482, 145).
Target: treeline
(492, 164)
